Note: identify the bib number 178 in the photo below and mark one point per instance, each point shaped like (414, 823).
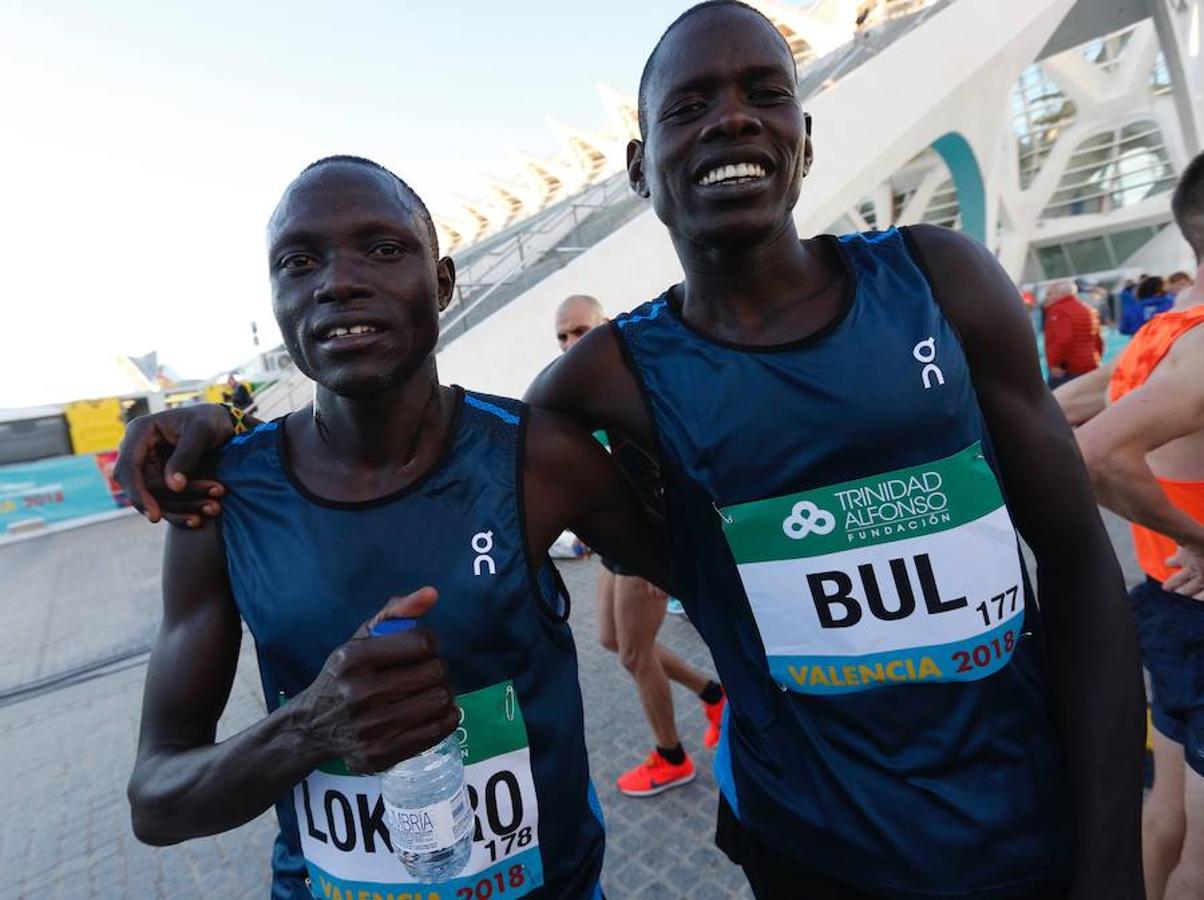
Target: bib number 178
(499, 826)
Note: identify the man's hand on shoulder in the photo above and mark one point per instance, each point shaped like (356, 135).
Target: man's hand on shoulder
(160, 453)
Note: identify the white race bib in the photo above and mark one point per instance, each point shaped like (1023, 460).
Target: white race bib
(344, 831)
(908, 576)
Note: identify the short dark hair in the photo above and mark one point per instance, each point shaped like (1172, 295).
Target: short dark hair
(1151, 286)
(408, 193)
(646, 74)
(1187, 203)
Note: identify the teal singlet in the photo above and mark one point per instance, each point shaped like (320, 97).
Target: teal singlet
(307, 571)
(841, 539)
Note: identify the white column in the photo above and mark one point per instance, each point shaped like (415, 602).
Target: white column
(1178, 24)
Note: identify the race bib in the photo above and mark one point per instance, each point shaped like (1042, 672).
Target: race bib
(907, 576)
(344, 827)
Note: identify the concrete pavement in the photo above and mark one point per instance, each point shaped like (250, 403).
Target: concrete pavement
(78, 597)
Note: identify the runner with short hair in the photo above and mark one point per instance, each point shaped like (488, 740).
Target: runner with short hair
(1146, 455)
(905, 722)
(390, 480)
(631, 610)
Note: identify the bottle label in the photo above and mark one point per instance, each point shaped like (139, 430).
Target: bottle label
(344, 825)
(429, 828)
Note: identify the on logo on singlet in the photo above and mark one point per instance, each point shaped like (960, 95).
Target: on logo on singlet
(906, 576)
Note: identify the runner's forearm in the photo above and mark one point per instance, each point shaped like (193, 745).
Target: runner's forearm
(1085, 397)
(1100, 700)
(182, 793)
(1124, 484)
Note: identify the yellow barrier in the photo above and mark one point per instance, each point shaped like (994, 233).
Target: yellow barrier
(95, 425)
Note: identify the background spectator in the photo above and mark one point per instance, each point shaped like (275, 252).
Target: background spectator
(237, 393)
(1073, 345)
(1150, 300)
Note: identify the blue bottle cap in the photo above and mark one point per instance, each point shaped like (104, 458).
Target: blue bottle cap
(392, 626)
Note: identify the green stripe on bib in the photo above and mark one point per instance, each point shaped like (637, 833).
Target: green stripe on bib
(926, 499)
(491, 723)
(906, 576)
(500, 727)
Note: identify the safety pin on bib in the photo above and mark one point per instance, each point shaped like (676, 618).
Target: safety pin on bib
(510, 703)
(727, 520)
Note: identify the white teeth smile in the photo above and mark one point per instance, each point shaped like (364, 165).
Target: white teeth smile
(732, 174)
(339, 331)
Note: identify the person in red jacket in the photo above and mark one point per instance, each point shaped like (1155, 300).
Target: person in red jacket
(1073, 345)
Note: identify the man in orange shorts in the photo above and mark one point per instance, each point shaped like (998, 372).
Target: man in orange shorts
(1146, 456)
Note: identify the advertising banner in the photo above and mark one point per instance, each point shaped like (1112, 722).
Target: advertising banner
(107, 461)
(54, 490)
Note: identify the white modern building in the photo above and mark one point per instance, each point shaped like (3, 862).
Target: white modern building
(1052, 130)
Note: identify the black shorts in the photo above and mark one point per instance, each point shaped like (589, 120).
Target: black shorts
(614, 567)
(1171, 627)
(773, 875)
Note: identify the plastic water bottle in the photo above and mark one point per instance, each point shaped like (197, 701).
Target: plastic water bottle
(426, 803)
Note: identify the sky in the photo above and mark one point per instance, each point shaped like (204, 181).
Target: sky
(143, 146)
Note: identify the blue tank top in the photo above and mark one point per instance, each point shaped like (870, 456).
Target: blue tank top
(840, 539)
(306, 572)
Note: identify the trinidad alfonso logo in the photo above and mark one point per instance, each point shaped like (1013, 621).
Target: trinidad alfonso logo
(806, 518)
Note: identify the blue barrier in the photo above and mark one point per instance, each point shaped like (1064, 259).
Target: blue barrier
(54, 490)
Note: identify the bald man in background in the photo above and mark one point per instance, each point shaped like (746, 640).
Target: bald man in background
(631, 610)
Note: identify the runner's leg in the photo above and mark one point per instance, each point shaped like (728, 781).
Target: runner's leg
(1163, 819)
(606, 610)
(638, 617)
(677, 669)
(1187, 881)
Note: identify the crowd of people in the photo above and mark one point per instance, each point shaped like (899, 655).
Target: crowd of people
(1074, 315)
(904, 718)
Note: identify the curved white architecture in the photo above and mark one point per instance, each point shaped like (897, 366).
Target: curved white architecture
(1052, 130)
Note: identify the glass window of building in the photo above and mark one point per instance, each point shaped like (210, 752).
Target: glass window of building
(1113, 169)
(1040, 113)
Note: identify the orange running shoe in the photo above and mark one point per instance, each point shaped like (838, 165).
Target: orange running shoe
(714, 714)
(655, 775)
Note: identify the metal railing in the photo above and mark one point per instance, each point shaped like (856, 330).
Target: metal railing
(503, 260)
(887, 25)
(292, 390)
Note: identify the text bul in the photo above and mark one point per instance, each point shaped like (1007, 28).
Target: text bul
(837, 607)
